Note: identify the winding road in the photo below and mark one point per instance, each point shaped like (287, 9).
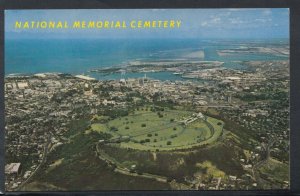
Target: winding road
(123, 170)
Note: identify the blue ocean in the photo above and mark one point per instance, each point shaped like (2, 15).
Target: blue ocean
(78, 56)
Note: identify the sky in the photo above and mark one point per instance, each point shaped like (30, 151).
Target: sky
(242, 23)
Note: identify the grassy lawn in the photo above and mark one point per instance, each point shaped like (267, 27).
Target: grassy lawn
(163, 130)
(275, 170)
(211, 170)
(217, 129)
(98, 127)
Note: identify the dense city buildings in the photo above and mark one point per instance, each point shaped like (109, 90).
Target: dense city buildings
(251, 107)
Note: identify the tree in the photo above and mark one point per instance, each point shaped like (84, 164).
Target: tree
(169, 143)
(113, 128)
(175, 135)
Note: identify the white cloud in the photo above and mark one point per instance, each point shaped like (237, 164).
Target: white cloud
(216, 20)
(236, 21)
(263, 20)
(234, 9)
(226, 14)
(204, 24)
(158, 10)
(267, 12)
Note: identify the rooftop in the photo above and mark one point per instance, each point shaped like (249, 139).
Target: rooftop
(12, 168)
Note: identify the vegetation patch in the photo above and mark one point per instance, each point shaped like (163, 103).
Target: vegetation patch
(275, 171)
(210, 169)
(158, 128)
(80, 169)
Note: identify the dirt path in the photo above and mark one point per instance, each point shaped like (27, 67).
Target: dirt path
(154, 156)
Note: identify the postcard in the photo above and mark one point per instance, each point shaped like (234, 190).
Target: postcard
(147, 99)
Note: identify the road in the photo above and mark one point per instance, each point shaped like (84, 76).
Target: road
(41, 163)
(120, 169)
(260, 163)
